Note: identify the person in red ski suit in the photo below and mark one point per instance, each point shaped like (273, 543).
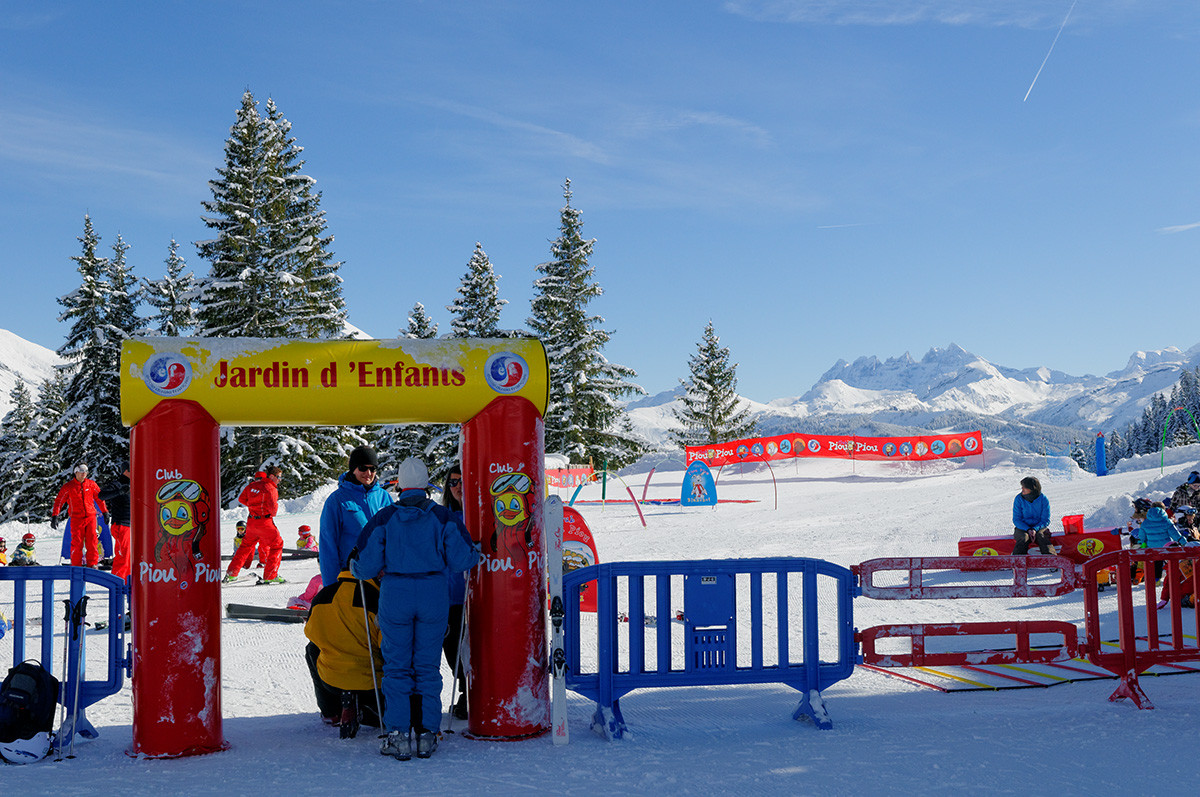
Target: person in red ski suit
(80, 497)
(261, 497)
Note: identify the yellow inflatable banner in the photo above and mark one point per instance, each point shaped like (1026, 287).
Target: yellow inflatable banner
(274, 382)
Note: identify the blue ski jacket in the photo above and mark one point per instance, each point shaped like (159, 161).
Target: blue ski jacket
(413, 536)
(1157, 530)
(1033, 514)
(346, 512)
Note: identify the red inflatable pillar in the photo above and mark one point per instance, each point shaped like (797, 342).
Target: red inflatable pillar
(176, 574)
(503, 489)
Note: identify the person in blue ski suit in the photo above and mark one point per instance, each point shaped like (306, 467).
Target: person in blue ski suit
(1031, 518)
(411, 545)
(357, 498)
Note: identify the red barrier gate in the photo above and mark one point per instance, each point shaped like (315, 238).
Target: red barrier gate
(916, 568)
(1131, 659)
(1022, 650)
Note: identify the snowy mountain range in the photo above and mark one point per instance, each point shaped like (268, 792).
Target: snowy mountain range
(951, 388)
(948, 389)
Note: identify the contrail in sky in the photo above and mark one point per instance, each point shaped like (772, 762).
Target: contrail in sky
(1047, 58)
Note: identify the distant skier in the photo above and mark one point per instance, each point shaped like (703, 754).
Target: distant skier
(1031, 518)
(24, 555)
(306, 541)
(79, 497)
(116, 496)
(3, 552)
(261, 496)
(1187, 494)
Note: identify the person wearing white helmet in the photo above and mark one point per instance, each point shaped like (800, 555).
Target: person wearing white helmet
(411, 545)
(81, 498)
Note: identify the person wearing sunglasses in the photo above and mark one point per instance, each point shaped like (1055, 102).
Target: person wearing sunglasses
(452, 500)
(358, 496)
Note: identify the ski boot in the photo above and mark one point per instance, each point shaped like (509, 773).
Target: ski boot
(398, 745)
(228, 579)
(348, 726)
(427, 742)
(268, 581)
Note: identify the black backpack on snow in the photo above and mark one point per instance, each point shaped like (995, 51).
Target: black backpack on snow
(28, 698)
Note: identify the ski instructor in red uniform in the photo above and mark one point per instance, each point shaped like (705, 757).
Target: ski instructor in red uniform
(79, 497)
(261, 497)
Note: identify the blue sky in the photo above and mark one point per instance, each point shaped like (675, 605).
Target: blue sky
(823, 179)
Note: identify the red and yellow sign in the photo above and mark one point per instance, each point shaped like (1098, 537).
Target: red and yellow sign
(257, 382)
(789, 446)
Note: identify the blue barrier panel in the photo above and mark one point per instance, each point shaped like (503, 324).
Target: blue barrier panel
(53, 616)
(735, 627)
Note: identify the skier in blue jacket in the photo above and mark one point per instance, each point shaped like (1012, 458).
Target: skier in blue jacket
(347, 509)
(411, 545)
(1031, 518)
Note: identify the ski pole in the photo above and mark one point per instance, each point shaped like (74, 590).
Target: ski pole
(362, 591)
(458, 663)
(62, 725)
(77, 621)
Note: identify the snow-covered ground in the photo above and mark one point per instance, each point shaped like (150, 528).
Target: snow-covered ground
(888, 737)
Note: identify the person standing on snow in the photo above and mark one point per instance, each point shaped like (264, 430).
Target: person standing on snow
(411, 545)
(79, 497)
(1031, 518)
(452, 500)
(115, 495)
(1188, 493)
(261, 497)
(346, 511)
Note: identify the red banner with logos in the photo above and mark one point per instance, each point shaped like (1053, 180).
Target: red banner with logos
(790, 446)
(569, 477)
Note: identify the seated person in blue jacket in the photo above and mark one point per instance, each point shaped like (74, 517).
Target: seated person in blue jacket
(1031, 518)
(410, 545)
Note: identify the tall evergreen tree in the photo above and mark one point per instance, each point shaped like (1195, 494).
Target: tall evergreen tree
(584, 418)
(271, 275)
(19, 491)
(102, 311)
(434, 443)
(710, 411)
(477, 308)
(171, 297)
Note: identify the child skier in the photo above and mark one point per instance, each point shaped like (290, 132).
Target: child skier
(25, 556)
(3, 552)
(411, 545)
(306, 542)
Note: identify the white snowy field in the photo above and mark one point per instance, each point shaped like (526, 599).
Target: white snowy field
(888, 736)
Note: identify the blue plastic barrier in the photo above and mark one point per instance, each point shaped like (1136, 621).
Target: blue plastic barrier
(119, 659)
(720, 598)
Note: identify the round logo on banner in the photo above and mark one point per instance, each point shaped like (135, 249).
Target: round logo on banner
(757, 449)
(167, 374)
(937, 447)
(785, 446)
(742, 451)
(970, 443)
(506, 372)
(922, 449)
(905, 448)
(814, 446)
(771, 449)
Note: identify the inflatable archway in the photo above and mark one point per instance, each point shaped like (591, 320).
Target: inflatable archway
(176, 393)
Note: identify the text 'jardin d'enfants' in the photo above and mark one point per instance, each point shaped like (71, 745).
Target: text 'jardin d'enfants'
(363, 373)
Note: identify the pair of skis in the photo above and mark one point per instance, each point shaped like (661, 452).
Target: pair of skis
(558, 656)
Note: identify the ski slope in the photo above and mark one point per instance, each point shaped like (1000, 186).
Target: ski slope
(888, 736)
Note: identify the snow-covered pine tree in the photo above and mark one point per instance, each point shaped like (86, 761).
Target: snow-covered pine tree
(476, 311)
(271, 276)
(584, 418)
(1114, 449)
(710, 410)
(436, 444)
(171, 297)
(91, 430)
(300, 244)
(19, 491)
